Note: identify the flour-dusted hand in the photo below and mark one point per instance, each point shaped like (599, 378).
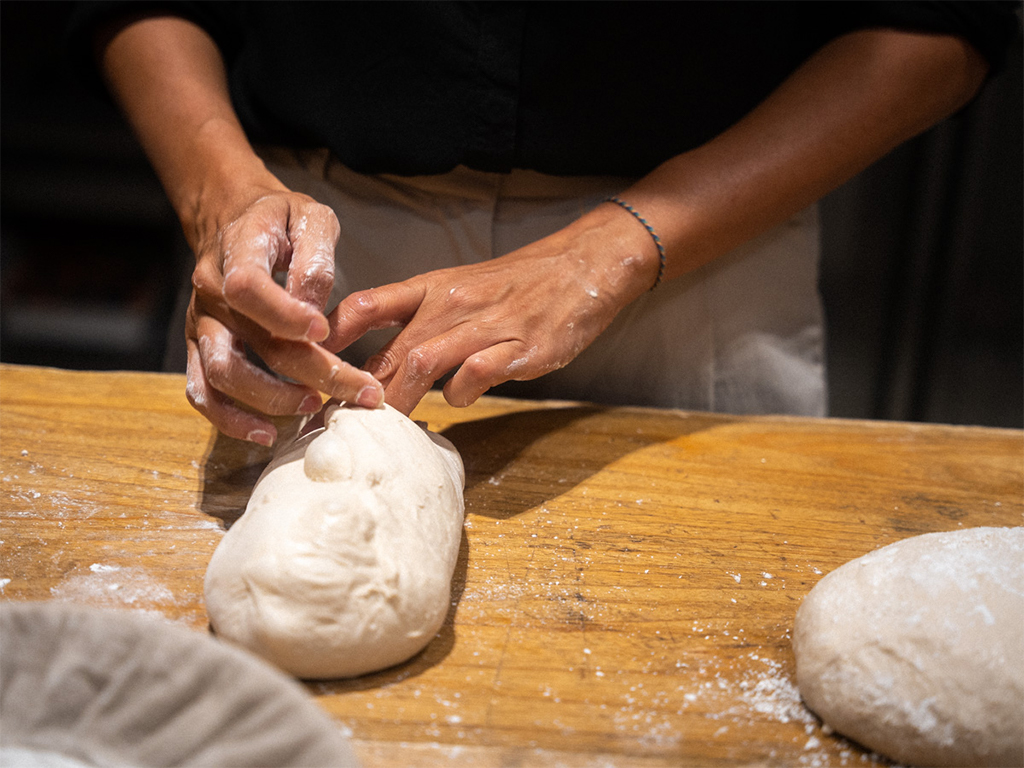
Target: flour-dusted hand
(277, 231)
(516, 317)
(243, 225)
(236, 302)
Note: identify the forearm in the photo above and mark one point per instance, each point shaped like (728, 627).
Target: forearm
(243, 225)
(168, 76)
(849, 105)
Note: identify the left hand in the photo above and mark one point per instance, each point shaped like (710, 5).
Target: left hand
(516, 317)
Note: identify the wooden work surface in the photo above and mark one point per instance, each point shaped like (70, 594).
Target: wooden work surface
(627, 582)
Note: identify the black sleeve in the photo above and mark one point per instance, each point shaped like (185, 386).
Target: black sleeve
(217, 17)
(991, 26)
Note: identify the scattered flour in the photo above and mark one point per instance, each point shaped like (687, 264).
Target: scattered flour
(113, 586)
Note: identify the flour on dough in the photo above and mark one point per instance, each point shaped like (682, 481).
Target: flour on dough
(342, 563)
(916, 650)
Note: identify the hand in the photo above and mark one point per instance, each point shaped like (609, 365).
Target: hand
(242, 223)
(236, 302)
(512, 318)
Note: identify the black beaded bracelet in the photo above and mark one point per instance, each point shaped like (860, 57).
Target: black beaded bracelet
(657, 240)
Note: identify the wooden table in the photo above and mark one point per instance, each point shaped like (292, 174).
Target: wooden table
(627, 582)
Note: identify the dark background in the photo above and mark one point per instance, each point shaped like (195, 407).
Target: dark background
(921, 274)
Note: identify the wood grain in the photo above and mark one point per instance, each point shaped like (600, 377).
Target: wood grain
(628, 577)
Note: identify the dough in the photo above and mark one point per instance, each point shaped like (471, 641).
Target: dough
(916, 650)
(342, 563)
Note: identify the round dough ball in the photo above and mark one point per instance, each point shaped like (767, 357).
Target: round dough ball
(342, 563)
(916, 650)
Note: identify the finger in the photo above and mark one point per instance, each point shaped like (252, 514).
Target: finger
(314, 235)
(385, 362)
(219, 409)
(405, 394)
(387, 307)
(315, 367)
(442, 333)
(251, 251)
(229, 372)
(306, 363)
(489, 368)
(425, 363)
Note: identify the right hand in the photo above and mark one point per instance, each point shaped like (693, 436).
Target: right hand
(236, 303)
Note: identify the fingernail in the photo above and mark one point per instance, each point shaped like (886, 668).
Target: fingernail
(260, 436)
(318, 329)
(311, 404)
(368, 397)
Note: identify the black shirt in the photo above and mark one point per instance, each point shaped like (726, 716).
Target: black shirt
(570, 88)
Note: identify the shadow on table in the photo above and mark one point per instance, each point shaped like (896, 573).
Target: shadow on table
(513, 462)
(228, 475)
(519, 461)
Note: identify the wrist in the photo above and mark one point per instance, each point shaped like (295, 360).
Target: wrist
(621, 255)
(222, 178)
(650, 230)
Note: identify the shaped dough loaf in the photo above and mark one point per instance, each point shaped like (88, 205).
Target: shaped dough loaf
(916, 650)
(342, 563)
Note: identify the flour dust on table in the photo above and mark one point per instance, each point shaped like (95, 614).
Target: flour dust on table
(916, 650)
(342, 563)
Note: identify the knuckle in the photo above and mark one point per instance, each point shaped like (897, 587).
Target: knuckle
(198, 390)
(365, 303)
(478, 369)
(218, 372)
(379, 362)
(218, 362)
(458, 298)
(204, 279)
(196, 394)
(319, 281)
(330, 219)
(238, 285)
(421, 362)
(523, 363)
